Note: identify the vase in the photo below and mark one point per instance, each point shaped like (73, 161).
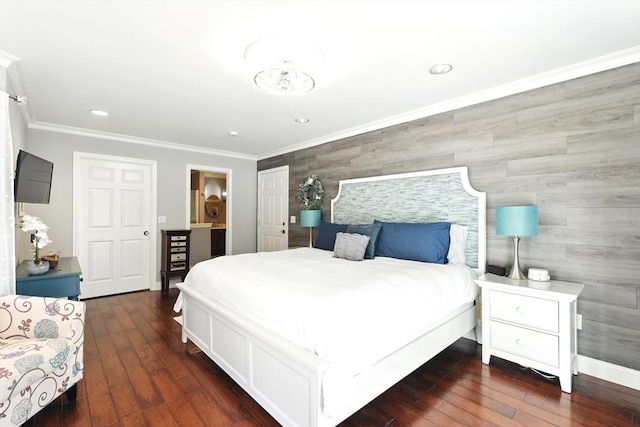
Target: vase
(33, 268)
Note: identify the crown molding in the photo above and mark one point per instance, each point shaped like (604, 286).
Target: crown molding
(13, 65)
(603, 63)
(7, 59)
(581, 69)
(52, 127)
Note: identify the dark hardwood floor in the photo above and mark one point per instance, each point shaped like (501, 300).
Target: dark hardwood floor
(138, 373)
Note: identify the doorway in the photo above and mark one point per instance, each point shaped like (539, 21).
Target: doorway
(209, 204)
(114, 223)
(273, 209)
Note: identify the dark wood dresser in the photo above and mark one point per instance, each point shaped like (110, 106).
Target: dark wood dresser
(175, 256)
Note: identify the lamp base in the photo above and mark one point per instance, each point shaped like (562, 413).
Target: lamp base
(516, 272)
(310, 237)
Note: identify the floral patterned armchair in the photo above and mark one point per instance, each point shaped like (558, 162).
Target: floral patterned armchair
(41, 349)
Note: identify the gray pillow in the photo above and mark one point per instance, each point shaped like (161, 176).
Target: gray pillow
(350, 246)
(370, 230)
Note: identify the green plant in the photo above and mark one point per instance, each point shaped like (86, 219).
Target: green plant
(310, 193)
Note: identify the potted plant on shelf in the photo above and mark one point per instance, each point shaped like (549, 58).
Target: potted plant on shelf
(310, 194)
(39, 239)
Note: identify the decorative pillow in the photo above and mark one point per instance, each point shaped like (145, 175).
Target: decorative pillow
(426, 242)
(371, 230)
(350, 246)
(326, 238)
(458, 245)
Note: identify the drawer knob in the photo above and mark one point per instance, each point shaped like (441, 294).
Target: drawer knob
(519, 341)
(519, 310)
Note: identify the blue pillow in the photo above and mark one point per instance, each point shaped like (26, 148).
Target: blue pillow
(370, 230)
(426, 242)
(327, 235)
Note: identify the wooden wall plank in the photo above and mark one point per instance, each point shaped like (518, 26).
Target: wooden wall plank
(572, 148)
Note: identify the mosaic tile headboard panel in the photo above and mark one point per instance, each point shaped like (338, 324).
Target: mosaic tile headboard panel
(428, 196)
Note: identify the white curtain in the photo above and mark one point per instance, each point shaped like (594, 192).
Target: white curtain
(7, 219)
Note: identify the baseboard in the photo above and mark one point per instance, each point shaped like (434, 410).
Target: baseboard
(617, 374)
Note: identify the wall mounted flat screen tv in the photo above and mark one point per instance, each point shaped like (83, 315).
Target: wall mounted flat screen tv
(33, 179)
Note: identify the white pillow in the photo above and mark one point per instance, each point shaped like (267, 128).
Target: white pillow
(457, 244)
(350, 246)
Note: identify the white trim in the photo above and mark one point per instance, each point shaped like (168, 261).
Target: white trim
(230, 191)
(13, 65)
(595, 65)
(463, 171)
(6, 59)
(603, 63)
(617, 374)
(154, 285)
(52, 127)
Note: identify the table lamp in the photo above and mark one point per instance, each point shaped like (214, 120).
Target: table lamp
(310, 218)
(517, 221)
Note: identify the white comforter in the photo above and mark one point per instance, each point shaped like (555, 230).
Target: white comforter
(350, 313)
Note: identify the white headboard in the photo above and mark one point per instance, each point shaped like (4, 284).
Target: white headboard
(428, 196)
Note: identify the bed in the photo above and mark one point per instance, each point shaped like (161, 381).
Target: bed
(261, 342)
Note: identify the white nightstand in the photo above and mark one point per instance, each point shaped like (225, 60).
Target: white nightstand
(531, 323)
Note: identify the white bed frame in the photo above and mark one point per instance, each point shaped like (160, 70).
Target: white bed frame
(285, 379)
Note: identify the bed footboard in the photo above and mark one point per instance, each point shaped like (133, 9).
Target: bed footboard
(286, 379)
(283, 378)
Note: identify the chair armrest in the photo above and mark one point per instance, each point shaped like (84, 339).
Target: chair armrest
(41, 317)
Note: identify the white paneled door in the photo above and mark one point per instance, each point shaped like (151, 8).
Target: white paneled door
(113, 227)
(273, 209)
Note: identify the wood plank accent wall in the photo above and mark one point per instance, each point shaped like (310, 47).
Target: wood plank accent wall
(572, 148)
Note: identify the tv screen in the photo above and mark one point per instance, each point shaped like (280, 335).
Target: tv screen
(33, 179)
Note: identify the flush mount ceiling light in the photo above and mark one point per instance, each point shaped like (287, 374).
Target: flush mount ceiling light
(282, 61)
(284, 81)
(301, 120)
(440, 69)
(100, 113)
(232, 133)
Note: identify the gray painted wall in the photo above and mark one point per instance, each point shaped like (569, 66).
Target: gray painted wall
(571, 148)
(172, 186)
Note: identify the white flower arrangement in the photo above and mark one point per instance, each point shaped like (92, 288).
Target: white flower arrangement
(39, 236)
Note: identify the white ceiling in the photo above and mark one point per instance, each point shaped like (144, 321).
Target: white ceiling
(174, 71)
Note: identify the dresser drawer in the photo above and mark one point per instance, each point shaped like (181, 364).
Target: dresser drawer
(538, 346)
(528, 311)
(178, 257)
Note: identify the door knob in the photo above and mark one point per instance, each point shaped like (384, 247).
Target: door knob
(283, 231)
(146, 233)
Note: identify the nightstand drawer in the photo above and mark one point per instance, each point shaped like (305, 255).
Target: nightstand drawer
(528, 311)
(532, 345)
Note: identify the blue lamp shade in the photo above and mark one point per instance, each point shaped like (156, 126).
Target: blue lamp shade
(517, 221)
(310, 218)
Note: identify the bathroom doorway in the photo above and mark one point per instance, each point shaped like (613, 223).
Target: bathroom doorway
(209, 212)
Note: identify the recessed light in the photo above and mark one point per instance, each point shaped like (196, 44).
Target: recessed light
(100, 113)
(440, 69)
(301, 120)
(232, 133)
